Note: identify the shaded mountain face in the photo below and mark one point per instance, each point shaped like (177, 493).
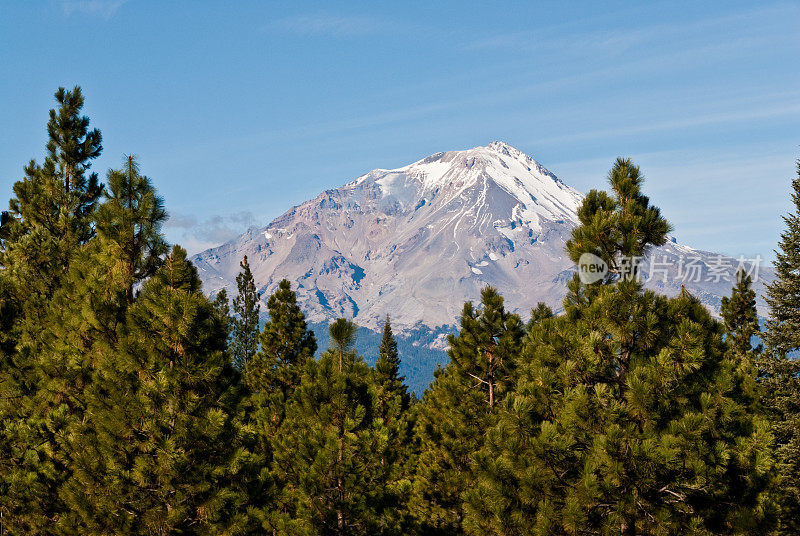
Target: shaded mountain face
(418, 241)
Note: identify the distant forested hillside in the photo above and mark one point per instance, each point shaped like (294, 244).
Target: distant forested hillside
(417, 361)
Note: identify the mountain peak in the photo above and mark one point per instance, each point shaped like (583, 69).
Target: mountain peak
(493, 150)
(504, 148)
(419, 240)
(492, 175)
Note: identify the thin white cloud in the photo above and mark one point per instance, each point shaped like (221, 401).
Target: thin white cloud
(104, 9)
(327, 25)
(565, 37)
(730, 116)
(671, 61)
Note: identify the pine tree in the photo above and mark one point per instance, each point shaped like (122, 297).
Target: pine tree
(539, 314)
(393, 404)
(331, 445)
(343, 337)
(129, 226)
(740, 316)
(740, 320)
(163, 417)
(626, 417)
(783, 294)
(223, 308)
(88, 315)
(781, 368)
(780, 383)
(72, 145)
(51, 213)
(286, 345)
(49, 218)
(271, 378)
(459, 408)
(245, 320)
(387, 370)
(618, 228)
(12, 390)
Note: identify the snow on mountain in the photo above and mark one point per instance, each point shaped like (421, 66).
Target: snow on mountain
(418, 241)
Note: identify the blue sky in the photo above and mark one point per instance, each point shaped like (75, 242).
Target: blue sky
(238, 111)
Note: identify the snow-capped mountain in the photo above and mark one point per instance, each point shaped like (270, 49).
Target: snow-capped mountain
(418, 241)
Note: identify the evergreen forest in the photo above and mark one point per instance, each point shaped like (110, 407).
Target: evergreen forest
(133, 403)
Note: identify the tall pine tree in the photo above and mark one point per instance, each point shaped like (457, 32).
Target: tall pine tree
(245, 317)
(387, 371)
(330, 447)
(49, 218)
(163, 417)
(51, 211)
(393, 404)
(271, 378)
(740, 316)
(781, 366)
(459, 408)
(286, 345)
(88, 316)
(783, 294)
(620, 227)
(129, 226)
(740, 320)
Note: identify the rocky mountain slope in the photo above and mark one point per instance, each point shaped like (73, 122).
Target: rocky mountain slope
(418, 241)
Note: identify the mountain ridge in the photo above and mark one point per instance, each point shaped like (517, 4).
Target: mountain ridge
(418, 241)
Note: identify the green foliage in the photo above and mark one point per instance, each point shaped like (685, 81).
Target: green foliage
(393, 404)
(626, 426)
(331, 447)
(539, 314)
(223, 308)
(51, 212)
(780, 383)
(343, 336)
(71, 145)
(387, 373)
(388, 357)
(286, 345)
(85, 319)
(162, 417)
(121, 412)
(740, 316)
(618, 228)
(459, 408)
(485, 349)
(129, 226)
(783, 294)
(245, 320)
(418, 360)
(49, 218)
(271, 377)
(781, 368)
(627, 417)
